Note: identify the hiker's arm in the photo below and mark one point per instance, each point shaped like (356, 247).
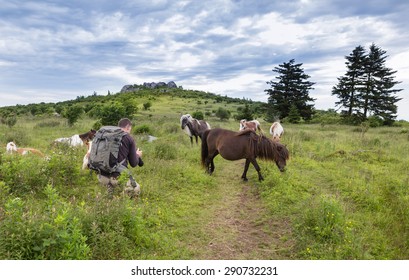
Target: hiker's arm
(133, 157)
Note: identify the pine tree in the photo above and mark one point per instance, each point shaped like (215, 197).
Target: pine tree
(381, 100)
(367, 86)
(349, 86)
(293, 115)
(292, 88)
(244, 112)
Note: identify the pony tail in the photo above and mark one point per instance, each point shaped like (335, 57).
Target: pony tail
(205, 150)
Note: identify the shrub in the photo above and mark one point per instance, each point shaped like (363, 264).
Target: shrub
(375, 121)
(142, 129)
(110, 114)
(23, 175)
(223, 114)
(56, 235)
(147, 105)
(73, 113)
(198, 115)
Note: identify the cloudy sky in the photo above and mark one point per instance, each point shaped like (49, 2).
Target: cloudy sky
(55, 50)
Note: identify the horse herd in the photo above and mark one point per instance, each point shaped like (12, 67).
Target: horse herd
(84, 139)
(231, 145)
(235, 145)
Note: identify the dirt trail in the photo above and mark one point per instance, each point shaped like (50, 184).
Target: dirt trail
(241, 227)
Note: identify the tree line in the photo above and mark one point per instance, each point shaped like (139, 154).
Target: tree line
(367, 89)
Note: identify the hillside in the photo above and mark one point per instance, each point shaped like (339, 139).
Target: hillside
(133, 95)
(343, 194)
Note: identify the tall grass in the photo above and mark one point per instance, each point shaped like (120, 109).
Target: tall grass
(344, 193)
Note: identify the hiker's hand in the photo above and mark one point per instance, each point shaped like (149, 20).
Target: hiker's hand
(139, 152)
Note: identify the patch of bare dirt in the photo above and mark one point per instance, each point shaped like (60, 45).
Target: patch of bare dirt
(242, 229)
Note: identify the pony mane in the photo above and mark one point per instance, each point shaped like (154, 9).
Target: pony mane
(187, 116)
(268, 149)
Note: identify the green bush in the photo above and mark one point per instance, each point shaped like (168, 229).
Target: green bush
(375, 121)
(27, 235)
(198, 115)
(23, 175)
(142, 129)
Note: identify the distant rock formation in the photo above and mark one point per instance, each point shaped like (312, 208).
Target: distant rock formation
(153, 85)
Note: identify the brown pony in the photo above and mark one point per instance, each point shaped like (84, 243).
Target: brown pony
(246, 144)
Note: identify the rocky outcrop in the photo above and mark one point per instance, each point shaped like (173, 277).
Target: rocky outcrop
(152, 85)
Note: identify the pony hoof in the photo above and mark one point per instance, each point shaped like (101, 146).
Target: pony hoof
(245, 179)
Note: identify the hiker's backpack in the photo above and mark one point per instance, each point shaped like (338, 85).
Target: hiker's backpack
(103, 156)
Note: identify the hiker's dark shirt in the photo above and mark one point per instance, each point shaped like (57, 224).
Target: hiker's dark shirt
(127, 151)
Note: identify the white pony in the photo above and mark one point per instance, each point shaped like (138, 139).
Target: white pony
(73, 141)
(86, 156)
(12, 147)
(253, 125)
(276, 130)
(77, 139)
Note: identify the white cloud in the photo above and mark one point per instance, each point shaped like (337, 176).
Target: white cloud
(225, 47)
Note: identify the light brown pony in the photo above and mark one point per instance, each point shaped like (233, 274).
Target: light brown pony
(245, 144)
(12, 148)
(253, 125)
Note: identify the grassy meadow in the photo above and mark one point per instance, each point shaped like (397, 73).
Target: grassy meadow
(344, 195)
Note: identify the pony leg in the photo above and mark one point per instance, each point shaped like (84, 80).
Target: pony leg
(191, 140)
(212, 161)
(246, 167)
(257, 167)
(209, 164)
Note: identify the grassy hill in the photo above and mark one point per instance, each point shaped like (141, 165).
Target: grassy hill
(344, 194)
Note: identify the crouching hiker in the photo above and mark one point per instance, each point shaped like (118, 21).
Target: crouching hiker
(112, 150)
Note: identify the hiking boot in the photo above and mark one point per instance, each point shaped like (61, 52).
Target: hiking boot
(133, 192)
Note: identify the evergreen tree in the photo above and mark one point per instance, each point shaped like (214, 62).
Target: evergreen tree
(292, 88)
(350, 85)
(380, 96)
(367, 86)
(244, 113)
(294, 115)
